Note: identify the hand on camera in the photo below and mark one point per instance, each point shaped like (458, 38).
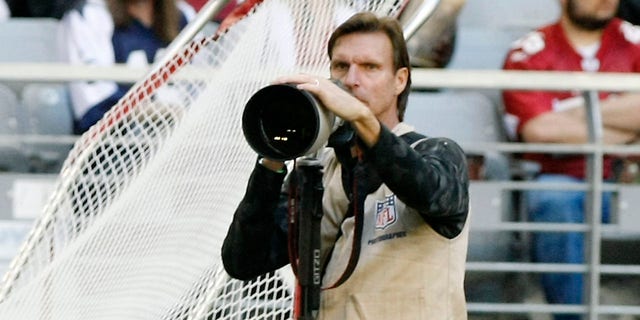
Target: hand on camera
(339, 101)
(273, 165)
(335, 98)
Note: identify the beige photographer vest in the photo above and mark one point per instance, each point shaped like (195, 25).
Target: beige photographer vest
(405, 270)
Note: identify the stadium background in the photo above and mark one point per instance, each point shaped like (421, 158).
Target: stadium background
(31, 156)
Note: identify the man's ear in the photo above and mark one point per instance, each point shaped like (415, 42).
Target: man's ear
(402, 75)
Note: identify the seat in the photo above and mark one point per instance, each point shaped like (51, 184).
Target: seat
(11, 124)
(37, 39)
(44, 107)
(465, 116)
(48, 112)
(508, 14)
(29, 40)
(484, 36)
(442, 113)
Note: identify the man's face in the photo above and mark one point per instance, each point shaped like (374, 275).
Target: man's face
(363, 62)
(591, 14)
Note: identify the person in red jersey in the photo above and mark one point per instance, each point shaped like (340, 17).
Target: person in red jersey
(588, 38)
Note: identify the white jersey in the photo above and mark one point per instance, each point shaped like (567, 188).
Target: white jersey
(85, 37)
(4, 11)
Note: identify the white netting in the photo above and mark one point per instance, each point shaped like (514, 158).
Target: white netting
(135, 226)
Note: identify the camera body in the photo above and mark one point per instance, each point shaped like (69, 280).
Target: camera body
(282, 122)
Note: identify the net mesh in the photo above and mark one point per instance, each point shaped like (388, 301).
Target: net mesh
(143, 202)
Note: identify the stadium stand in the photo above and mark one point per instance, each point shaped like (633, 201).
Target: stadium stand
(11, 121)
(48, 113)
(28, 40)
(487, 28)
(36, 39)
(28, 169)
(484, 36)
(43, 108)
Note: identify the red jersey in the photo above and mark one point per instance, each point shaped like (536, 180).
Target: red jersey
(547, 49)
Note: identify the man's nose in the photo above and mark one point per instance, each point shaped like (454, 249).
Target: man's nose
(352, 77)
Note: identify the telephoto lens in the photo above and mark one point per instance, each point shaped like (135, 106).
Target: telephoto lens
(282, 122)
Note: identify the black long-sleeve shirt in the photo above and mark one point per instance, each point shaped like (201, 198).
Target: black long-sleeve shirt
(431, 178)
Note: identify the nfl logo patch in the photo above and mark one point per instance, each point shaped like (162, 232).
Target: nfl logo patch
(386, 212)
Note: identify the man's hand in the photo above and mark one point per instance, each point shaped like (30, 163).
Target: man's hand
(340, 102)
(272, 165)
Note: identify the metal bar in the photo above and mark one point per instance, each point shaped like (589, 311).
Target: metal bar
(531, 185)
(519, 147)
(61, 72)
(421, 78)
(619, 310)
(524, 308)
(533, 226)
(469, 146)
(526, 267)
(593, 212)
(627, 269)
(608, 231)
(549, 268)
(38, 138)
(508, 79)
(426, 9)
(520, 308)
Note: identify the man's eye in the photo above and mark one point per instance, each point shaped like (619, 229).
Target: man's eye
(340, 67)
(371, 66)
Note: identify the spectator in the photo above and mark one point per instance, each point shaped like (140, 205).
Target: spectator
(117, 31)
(395, 203)
(86, 32)
(4, 11)
(40, 8)
(587, 37)
(629, 10)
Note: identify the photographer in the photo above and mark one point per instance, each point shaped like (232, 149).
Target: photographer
(395, 204)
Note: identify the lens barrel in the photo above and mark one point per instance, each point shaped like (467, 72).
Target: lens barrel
(282, 122)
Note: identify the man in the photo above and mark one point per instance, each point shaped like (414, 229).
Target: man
(405, 264)
(587, 38)
(4, 11)
(629, 10)
(40, 8)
